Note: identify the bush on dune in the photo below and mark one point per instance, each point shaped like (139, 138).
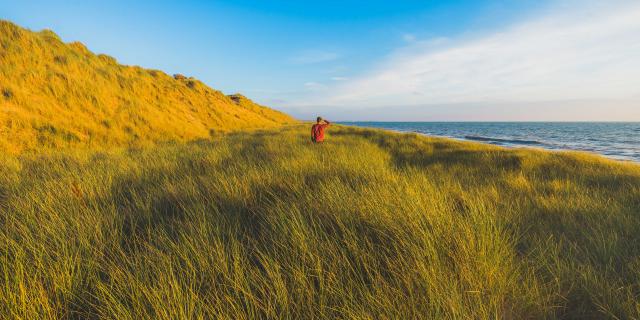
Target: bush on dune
(369, 225)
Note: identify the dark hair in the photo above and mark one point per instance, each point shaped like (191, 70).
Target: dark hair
(319, 119)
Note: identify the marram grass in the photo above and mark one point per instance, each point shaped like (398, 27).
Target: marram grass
(369, 225)
(58, 94)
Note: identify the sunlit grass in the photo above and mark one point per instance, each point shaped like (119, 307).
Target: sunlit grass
(58, 95)
(370, 224)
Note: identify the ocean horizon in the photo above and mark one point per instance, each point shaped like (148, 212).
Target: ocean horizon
(615, 140)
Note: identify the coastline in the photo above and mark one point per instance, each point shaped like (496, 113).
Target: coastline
(517, 142)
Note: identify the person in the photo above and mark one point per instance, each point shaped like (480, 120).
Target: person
(317, 130)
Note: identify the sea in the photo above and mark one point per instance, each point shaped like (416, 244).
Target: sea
(616, 140)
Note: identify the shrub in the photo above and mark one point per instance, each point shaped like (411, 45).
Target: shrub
(178, 76)
(60, 60)
(7, 93)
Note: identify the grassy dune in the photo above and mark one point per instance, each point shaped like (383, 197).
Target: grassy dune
(60, 94)
(371, 225)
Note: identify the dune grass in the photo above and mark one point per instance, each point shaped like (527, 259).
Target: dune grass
(58, 94)
(370, 225)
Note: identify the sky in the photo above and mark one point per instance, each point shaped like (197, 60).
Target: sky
(456, 60)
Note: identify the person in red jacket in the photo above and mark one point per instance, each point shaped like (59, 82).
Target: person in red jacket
(317, 130)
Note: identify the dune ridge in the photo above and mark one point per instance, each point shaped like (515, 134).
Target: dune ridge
(56, 94)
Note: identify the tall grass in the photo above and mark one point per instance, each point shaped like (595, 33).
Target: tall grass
(57, 95)
(370, 225)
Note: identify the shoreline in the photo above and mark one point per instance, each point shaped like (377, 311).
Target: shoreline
(500, 141)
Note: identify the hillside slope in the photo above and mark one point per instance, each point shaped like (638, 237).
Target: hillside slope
(55, 94)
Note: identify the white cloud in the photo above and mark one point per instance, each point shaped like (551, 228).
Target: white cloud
(339, 78)
(314, 56)
(575, 53)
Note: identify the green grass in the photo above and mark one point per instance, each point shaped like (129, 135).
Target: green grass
(370, 225)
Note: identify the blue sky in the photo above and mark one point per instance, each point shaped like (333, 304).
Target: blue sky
(377, 60)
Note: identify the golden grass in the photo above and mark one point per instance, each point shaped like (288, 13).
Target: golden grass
(58, 95)
(370, 225)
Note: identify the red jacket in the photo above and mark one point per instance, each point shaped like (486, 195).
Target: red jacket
(317, 131)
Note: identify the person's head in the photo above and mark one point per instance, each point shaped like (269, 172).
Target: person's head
(319, 119)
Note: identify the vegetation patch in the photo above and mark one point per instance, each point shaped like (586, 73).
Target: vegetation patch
(60, 60)
(107, 59)
(370, 224)
(7, 93)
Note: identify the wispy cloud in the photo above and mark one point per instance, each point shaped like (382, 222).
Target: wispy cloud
(314, 56)
(408, 37)
(312, 85)
(574, 53)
